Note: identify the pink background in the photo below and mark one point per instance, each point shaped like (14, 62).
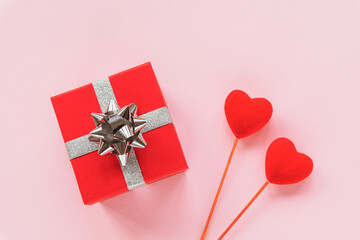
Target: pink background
(302, 55)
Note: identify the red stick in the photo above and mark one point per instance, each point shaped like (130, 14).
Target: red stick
(243, 211)
(219, 190)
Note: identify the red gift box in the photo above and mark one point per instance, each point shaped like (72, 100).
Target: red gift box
(101, 177)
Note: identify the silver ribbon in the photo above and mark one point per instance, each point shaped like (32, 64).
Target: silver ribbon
(154, 119)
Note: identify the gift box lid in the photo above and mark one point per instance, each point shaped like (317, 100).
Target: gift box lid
(101, 177)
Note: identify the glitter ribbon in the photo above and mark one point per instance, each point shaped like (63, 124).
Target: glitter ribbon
(129, 164)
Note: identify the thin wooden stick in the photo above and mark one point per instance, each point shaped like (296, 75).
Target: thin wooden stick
(243, 211)
(219, 190)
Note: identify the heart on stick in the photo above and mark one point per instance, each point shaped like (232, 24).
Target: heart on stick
(284, 165)
(246, 115)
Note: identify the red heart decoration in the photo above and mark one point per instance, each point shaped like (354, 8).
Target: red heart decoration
(284, 165)
(245, 115)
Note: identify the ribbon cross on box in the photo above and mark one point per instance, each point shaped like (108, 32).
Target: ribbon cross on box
(129, 164)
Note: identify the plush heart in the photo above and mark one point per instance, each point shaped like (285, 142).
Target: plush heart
(245, 115)
(284, 165)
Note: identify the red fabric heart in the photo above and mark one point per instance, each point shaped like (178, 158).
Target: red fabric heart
(245, 115)
(284, 165)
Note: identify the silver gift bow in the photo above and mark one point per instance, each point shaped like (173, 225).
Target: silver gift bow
(154, 119)
(117, 130)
